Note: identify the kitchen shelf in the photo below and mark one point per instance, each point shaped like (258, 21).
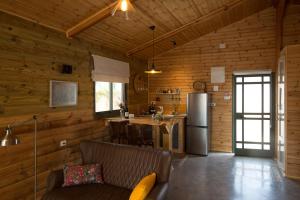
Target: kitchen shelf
(168, 93)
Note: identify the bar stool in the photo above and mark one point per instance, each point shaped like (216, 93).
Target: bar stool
(133, 135)
(117, 130)
(146, 134)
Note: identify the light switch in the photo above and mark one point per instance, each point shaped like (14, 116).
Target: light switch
(216, 88)
(222, 45)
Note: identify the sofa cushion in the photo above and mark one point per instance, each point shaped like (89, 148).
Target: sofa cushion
(125, 166)
(88, 192)
(143, 188)
(82, 174)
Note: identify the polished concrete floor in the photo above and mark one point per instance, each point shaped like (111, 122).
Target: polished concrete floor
(225, 177)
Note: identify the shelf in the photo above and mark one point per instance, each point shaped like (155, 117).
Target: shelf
(168, 93)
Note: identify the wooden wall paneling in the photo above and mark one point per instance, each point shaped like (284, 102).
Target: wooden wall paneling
(292, 111)
(250, 45)
(291, 25)
(31, 56)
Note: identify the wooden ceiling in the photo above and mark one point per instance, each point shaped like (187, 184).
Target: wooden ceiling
(176, 20)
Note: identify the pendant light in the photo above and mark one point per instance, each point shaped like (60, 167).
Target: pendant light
(124, 6)
(153, 70)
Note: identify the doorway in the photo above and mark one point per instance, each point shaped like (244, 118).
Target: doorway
(253, 132)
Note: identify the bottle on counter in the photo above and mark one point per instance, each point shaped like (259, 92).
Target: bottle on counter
(126, 114)
(152, 109)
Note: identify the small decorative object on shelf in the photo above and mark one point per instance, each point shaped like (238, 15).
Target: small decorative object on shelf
(168, 94)
(200, 86)
(172, 91)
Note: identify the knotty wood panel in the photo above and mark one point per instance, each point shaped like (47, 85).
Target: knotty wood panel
(291, 25)
(31, 56)
(250, 45)
(124, 35)
(293, 111)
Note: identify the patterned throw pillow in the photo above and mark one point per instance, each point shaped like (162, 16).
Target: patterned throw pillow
(82, 174)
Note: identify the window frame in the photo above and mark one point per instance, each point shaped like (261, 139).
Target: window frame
(110, 113)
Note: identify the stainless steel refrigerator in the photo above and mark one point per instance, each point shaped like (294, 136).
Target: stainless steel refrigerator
(198, 123)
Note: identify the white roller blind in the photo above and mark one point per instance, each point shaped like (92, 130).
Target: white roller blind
(110, 70)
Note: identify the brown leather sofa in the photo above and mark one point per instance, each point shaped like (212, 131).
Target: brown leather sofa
(123, 167)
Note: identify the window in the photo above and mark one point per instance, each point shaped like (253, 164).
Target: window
(108, 96)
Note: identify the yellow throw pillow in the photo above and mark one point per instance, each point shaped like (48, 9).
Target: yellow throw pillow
(143, 188)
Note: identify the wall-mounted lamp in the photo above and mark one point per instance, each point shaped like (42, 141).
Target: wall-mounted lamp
(9, 139)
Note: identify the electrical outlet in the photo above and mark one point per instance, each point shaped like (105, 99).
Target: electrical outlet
(63, 143)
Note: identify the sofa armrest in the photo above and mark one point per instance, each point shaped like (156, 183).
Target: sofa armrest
(159, 192)
(55, 179)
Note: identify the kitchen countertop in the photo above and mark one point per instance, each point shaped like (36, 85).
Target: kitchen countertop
(148, 119)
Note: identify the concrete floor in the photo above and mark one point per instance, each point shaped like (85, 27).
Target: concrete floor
(226, 177)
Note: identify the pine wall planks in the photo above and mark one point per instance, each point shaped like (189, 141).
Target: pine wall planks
(250, 45)
(291, 40)
(30, 56)
(292, 56)
(291, 25)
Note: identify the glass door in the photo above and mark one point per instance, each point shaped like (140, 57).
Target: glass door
(253, 115)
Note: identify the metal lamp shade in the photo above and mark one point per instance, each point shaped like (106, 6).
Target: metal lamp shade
(8, 138)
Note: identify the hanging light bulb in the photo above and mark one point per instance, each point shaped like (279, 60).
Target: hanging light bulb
(124, 6)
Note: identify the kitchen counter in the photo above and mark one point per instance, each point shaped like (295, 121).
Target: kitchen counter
(174, 141)
(147, 119)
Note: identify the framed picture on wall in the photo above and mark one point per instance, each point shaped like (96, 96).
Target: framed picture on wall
(63, 93)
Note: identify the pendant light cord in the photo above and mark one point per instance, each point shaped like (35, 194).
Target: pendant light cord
(153, 48)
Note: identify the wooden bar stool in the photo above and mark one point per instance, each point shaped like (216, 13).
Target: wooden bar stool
(146, 134)
(134, 135)
(117, 130)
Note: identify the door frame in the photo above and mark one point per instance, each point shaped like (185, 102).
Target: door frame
(253, 152)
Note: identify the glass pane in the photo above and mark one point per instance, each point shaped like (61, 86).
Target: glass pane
(239, 130)
(267, 94)
(252, 98)
(267, 116)
(266, 147)
(239, 99)
(252, 116)
(239, 79)
(252, 130)
(266, 130)
(118, 96)
(252, 146)
(102, 96)
(266, 78)
(239, 145)
(252, 79)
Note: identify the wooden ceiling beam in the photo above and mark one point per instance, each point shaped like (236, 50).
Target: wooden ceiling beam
(91, 20)
(184, 27)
